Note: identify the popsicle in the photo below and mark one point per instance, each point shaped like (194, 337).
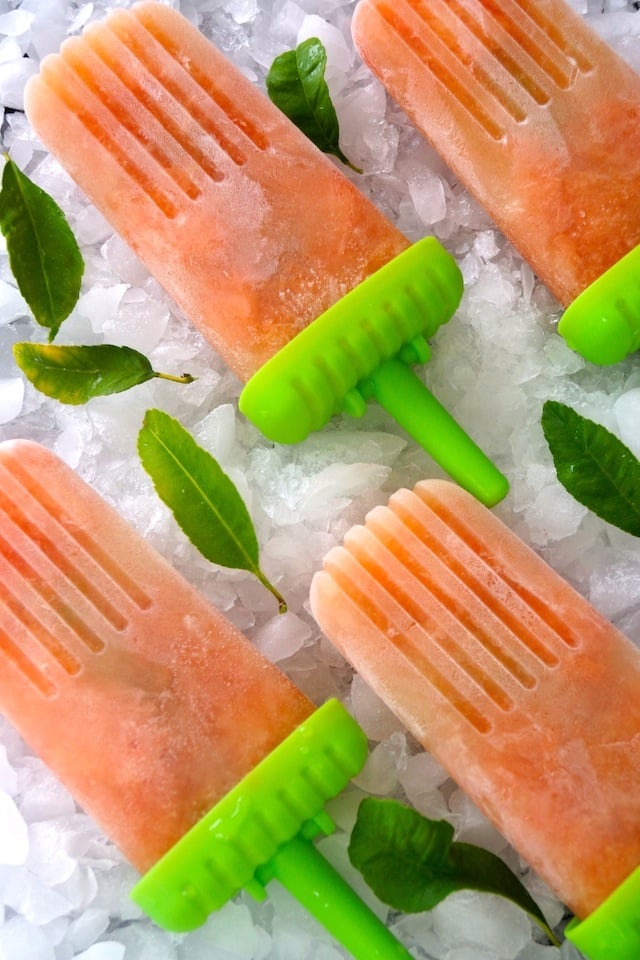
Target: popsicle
(540, 119)
(522, 690)
(202, 761)
(299, 282)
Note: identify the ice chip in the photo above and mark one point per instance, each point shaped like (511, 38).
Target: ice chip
(105, 950)
(627, 413)
(14, 834)
(282, 636)
(11, 398)
(21, 939)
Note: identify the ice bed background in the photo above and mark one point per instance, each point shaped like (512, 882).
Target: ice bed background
(63, 886)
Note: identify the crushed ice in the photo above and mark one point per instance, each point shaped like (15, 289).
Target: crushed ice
(63, 886)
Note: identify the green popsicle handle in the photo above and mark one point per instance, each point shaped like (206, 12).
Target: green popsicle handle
(603, 322)
(263, 829)
(314, 883)
(397, 388)
(330, 366)
(612, 931)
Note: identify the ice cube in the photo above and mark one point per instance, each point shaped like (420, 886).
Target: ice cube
(375, 718)
(11, 398)
(14, 833)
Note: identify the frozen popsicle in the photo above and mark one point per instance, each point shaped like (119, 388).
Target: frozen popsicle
(527, 696)
(540, 119)
(201, 760)
(298, 281)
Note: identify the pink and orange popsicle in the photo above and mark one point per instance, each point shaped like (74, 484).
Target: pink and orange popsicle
(199, 758)
(540, 119)
(298, 281)
(527, 696)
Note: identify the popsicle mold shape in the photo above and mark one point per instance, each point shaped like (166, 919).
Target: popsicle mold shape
(199, 758)
(248, 226)
(524, 692)
(539, 118)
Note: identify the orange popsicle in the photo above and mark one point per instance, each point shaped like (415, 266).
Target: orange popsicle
(298, 281)
(528, 696)
(199, 758)
(540, 119)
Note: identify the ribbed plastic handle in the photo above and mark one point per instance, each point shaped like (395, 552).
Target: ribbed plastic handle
(612, 932)
(363, 347)
(316, 375)
(603, 323)
(263, 830)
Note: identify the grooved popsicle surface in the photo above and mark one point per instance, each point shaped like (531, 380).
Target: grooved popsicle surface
(249, 227)
(527, 696)
(533, 111)
(143, 699)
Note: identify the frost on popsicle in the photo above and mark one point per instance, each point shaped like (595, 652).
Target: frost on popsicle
(296, 84)
(203, 499)
(412, 863)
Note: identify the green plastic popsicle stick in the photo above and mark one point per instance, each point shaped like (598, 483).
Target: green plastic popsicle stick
(315, 884)
(396, 388)
(603, 322)
(262, 830)
(330, 366)
(612, 932)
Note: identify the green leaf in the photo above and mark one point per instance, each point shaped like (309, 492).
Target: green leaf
(596, 468)
(412, 863)
(204, 500)
(296, 84)
(75, 374)
(43, 254)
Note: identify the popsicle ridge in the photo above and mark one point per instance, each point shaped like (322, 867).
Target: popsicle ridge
(31, 504)
(65, 572)
(475, 555)
(480, 662)
(559, 39)
(126, 62)
(474, 91)
(23, 663)
(122, 140)
(357, 581)
(419, 575)
(524, 57)
(184, 94)
(47, 554)
(242, 121)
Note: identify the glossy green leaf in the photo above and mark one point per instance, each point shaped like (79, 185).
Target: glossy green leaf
(596, 468)
(43, 254)
(75, 374)
(296, 84)
(412, 863)
(203, 499)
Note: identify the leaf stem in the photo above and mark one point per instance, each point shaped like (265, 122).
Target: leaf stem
(282, 603)
(184, 378)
